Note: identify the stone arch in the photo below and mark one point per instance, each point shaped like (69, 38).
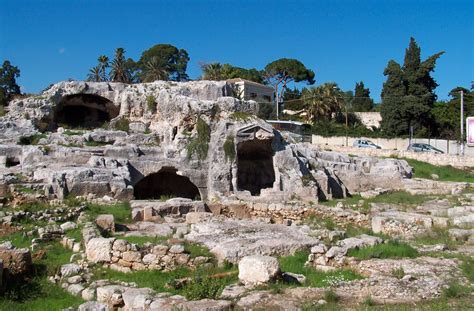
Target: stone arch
(166, 182)
(84, 111)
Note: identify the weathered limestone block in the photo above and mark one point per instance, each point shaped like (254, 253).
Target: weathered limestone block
(254, 270)
(106, 222)
(195, 217)
(16, 261)
(99, 249)
(93, 306)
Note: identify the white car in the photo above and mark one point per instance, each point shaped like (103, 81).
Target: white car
(365, 143)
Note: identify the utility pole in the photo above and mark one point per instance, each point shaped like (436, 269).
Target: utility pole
(462, 122)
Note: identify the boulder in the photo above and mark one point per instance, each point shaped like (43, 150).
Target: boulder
(69, 225)
(106, 222)
(16, 261)
(93, 306)
(99, 249)
(254, 270)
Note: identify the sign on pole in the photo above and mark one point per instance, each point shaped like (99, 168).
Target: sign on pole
(470, 131)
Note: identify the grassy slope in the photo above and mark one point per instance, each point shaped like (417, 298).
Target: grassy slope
(445, 173)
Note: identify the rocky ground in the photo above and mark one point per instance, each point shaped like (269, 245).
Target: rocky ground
(389, 249)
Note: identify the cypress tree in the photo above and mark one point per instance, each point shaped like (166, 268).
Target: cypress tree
(362, 101)
(408, 93)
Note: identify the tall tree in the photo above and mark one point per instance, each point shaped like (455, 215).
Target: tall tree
(119, 71)
(408, 93)
(8, 85)
(154, 69)
(103, 65)
(322, 102)
(285, 70)
(212, 71)
(94, 74)
(174, 60)
(218, 71)
(361, 101)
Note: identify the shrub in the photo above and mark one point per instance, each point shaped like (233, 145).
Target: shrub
(122, 124)
(199, 145)
(398, 273)
(454, 290)
(202, 287)
(151, 103)
(31, 140)
(368, 301)
(331, 297)
(229, 148)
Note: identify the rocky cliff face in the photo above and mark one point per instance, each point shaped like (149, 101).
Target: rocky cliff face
(170, 139)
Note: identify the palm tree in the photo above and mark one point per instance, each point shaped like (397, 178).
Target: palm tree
(322, 101)
(103, 65)
(94, 74)
(119, 71)
(154, 70)
(212, 71)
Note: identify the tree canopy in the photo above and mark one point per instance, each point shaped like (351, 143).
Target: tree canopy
(8, 85)
(218, 71)
(408, 93)
(166, 58)
(285, 70)
(361, 101)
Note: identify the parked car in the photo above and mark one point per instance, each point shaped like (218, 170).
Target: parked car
(365, 143)
(419, 147)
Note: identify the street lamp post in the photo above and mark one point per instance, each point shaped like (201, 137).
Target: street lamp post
(462, 122)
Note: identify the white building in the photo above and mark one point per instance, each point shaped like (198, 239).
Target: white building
(250, 90)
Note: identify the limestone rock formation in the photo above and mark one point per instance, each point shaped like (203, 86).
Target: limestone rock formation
(171, 139)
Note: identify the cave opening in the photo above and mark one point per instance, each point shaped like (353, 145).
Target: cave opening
(165, 184)
(255, 166)
(86, 111)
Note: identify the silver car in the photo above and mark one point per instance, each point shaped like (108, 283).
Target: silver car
(365, 143)
(419, 147)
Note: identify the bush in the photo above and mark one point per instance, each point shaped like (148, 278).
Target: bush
(122, 124)
(31, 140)
(331, 297)
(454, 290)
(229, 148)
(151, 103)
(199, 145)
(240, 116)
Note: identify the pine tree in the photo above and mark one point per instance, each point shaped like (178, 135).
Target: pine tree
(408, 94)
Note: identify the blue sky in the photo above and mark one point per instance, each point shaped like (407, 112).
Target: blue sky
(342, 41)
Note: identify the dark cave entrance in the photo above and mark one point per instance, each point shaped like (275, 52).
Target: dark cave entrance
(255, 166)
(84, 111)
(165, 184)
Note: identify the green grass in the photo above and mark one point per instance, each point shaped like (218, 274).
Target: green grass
(37, 293)
(141, 240)
(398, 273)
(23, 189)
(445, 173)
(392, 249)
(18, 239)
(75, 234)
(33, 207)
(466, 266)
(437, 235)
(397, 197)
(122, 124)
(315, 278)
(196, 250)
(320, 222)
(97, 143)
(72, 133)
(121, 211)
(201, 285)
(455, 290)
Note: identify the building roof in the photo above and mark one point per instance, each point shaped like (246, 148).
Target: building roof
(235, 80)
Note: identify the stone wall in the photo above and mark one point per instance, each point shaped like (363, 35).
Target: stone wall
(399, 144)
(458, 161)
(124, 256)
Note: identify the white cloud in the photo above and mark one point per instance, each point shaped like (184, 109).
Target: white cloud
(62, 50)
